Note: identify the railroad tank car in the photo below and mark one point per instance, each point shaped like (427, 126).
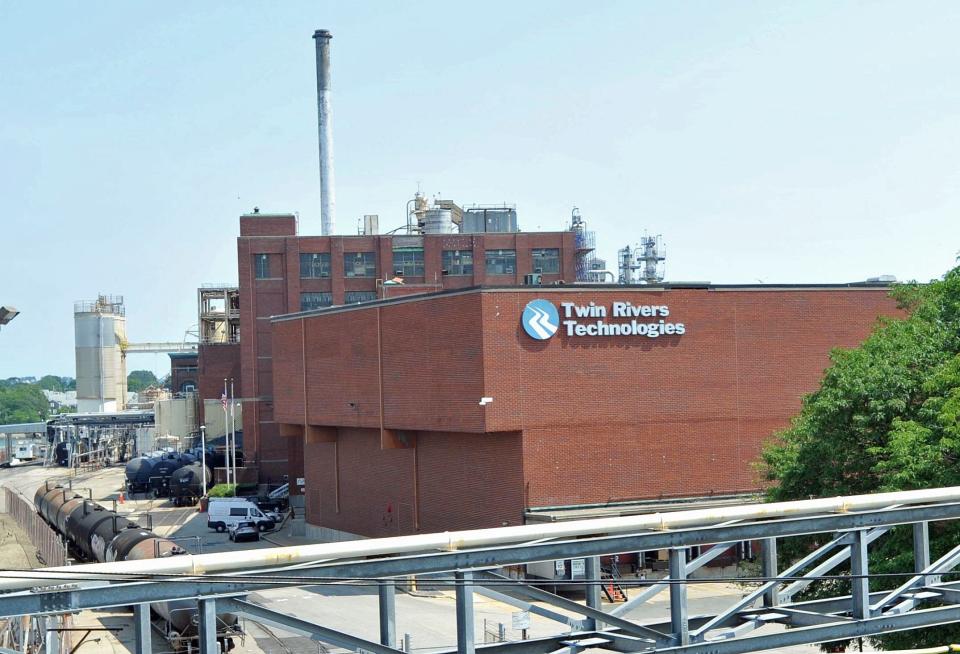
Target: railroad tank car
(68, 507)
(103, 534)
(163, 468)
(61, 453)
(138, 472)
(186, 484)
(85, 522)
(97, 534)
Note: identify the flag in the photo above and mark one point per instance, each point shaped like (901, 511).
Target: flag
(223, 400)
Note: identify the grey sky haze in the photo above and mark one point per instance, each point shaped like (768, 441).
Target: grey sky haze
(773, 141)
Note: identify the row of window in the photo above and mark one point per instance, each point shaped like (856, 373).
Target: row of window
(309, 301)
(409, 263)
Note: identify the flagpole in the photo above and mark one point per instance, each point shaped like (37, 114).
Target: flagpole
(233, 430)
(226, 431)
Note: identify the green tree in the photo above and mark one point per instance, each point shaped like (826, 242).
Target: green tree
(140, 379)
(886, 417)
(22, 403)
(55, 383)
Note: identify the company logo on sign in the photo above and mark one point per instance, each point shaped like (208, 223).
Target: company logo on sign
(540, 319)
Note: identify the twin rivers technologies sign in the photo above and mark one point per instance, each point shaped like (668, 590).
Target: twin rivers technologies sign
(541, 320)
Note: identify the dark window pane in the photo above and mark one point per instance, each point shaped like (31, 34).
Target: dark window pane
(310, 301)
(458, 262)
(261, 266)
(359, 264)
(407, 262)
(501, 262)
(546, 260)
(314, 265)
(355, 297)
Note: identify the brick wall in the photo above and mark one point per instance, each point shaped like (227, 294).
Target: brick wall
(448, 481)
(572, 421)
(217, 362)
(428, 373)
(675, 415)
(275, 235)
(183, 371)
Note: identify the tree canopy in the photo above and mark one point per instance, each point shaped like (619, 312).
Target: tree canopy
(141, 379)
(55, 383)
(886, 417)
(22, 402)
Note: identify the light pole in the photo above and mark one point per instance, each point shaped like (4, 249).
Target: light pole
(233, 420)
(7, 314)
(203, 455)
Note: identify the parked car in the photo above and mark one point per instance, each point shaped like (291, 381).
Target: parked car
(244, 531)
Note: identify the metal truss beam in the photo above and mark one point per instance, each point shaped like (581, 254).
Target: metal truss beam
(574, 623)
(697, 563)
(944, 564)
(298, 625)
(626, 626)
(841, 629)
(855, 615)
(796, 587)
(85, 595)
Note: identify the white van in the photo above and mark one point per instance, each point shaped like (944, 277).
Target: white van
(224, 512)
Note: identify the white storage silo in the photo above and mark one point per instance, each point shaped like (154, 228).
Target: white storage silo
(100, 331)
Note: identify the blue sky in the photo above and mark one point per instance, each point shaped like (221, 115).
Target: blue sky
(782, 142)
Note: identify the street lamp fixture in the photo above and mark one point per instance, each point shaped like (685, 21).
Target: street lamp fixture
(7, 314)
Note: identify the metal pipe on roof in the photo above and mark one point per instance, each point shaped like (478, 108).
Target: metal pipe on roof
(328, 203)
(199, 564)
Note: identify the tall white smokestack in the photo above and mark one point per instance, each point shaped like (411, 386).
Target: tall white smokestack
(328, 202)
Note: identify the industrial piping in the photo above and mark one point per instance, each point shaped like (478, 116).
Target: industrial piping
(328, 203)
(199, 564)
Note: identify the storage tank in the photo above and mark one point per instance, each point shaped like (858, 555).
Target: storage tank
(52, 501)
(186, 484)
(100, 334)
(120, 546)
(478, 220)
(138, 472)
(66, 509)
(438, 221)
(82, 524)
(104, 533)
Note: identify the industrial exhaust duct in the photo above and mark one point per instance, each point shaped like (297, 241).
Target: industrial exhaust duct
(328, 203)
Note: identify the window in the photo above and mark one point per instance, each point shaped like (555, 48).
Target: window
(310, 301)
(546, 260)
(359, 264)
(238, 512)
(356, 297)
(458, 262)
(261, 266)
(501, 262)
(314, 265)
(408, 261)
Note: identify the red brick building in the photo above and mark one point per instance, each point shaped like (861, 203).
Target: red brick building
(184, 376)
(281, 273)
(443, 412)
